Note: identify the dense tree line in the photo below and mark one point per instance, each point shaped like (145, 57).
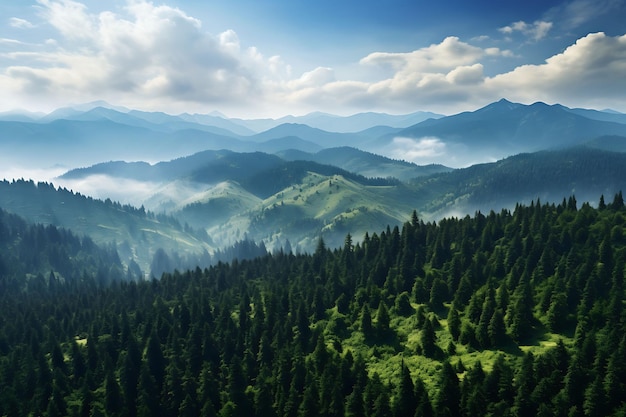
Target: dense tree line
(274, 335)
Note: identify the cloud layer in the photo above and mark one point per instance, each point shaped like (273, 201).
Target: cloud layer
(159, 57)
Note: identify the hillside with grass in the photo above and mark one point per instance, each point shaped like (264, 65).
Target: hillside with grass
(514, 313)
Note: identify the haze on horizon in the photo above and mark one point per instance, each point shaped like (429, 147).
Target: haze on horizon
(251, 59)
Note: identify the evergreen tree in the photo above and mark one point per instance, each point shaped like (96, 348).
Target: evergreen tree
(447, 401)
(382, 320)
(366, 321)
(405, 401)
(428, 340)
(454, 323)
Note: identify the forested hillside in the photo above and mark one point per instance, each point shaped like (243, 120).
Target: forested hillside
(517, 313)
(32, 256)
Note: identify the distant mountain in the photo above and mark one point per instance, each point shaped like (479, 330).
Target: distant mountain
(99, 138)
(97, 132)
(288, 142)
(343, 124)
(218, 121)
(320, 137)
(20, 116)
(365, 163)
(69, 142)
(504, 128)
(605, 115)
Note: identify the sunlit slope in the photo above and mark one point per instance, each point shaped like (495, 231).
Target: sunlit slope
(320, 205)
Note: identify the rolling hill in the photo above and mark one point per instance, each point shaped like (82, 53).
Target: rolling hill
(265, 198)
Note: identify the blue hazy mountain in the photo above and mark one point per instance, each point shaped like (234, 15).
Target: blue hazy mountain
(342, 124)
(365, 163)
(504, 128)
(97, 132)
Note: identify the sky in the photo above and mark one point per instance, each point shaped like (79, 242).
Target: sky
(270, 58)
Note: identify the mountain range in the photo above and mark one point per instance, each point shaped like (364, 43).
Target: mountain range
(80, 137)
(208, 182)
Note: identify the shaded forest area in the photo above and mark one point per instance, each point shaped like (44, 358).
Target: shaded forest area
(333, 333)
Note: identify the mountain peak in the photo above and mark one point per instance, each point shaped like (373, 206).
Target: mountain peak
(502, 105)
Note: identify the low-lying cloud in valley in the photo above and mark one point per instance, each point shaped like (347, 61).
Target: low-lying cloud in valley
(433, 150)
(123, 190)
(421, 151)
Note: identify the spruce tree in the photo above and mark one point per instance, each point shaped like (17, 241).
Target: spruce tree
(448, 398)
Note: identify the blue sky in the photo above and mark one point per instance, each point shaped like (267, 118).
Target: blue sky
(250, 58)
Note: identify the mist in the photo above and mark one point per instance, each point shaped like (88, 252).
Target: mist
(433, 150)
(122, 190)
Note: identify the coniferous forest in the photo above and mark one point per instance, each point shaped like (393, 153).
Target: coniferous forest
(517, 313)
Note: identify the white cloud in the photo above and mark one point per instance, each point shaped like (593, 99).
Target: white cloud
(68, 17)
(10, 41)
(18, 23)
(417, 150)
(586, 73)
(535, 31)
(446, 55)
(158, 57)
(148, 54)
(123, 190)
(471, 74)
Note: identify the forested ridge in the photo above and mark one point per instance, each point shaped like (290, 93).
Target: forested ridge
(514, 313)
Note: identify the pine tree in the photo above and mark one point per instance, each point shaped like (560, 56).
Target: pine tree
(113, 402)
(366, 321)
(525, 382)
(428, 340)
(473, 398)
(497, 329)
(424, 407)
(521, 312)
(382, 320)
(454, 323)
(447, 401)
(405, 401)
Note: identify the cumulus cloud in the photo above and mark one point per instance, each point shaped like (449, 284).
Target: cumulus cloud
(588, 72)
(440, 72)
(68, 17)
(146, 53)
(535, 31)
(158, 57)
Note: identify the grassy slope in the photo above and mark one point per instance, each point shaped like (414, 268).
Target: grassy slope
(334, 204)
